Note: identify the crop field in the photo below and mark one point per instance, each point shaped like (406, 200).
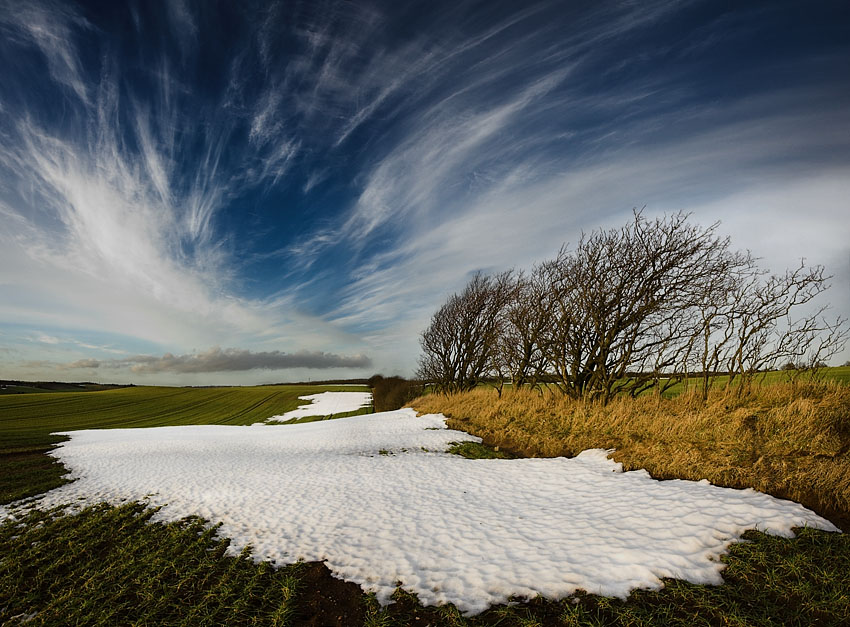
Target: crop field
(839, 374)
(27, 421)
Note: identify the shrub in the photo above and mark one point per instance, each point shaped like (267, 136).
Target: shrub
(390, 393)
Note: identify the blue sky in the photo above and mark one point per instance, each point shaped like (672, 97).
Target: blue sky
(217, 192)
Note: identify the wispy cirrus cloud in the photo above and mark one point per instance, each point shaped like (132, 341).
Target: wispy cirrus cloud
(768, 155)
(110, 217)
(52, 27)
(317, 177)
(478, 105)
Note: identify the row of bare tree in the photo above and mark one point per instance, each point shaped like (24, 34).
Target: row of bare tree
(642, 306)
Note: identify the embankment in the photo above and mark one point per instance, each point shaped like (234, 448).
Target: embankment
(791, 441)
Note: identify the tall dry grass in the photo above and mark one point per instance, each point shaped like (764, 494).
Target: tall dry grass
(792, 441)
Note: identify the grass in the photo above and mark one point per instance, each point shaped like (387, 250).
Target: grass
(838, 374)
(26, 389)
(348, 414)
(111, 565)
(475, 450)
(41, 387)
(791, 441)
(27, 421)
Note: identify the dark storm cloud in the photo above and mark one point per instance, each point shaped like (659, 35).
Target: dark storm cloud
(226, 360)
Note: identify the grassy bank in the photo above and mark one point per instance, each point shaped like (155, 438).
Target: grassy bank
(27, 421)
(792, 441)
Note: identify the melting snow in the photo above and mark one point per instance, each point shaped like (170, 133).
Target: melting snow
(327, 404)
(364, 495)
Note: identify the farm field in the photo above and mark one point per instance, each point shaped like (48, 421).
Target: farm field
(215, 586)
(27, 420)
(837, 374)
(22, 387)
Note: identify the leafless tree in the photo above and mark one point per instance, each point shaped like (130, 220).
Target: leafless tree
(459, 346)
(713, 311)
(769, 328)
(520, 353)
(644, 306)
(620, 302)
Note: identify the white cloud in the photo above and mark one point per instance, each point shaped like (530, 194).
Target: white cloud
(489, 143)
(99, 235)
(782, 210)
(49, 26)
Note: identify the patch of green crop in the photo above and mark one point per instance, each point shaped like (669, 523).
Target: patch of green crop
(21, 389)
(476, 450)
(348, 414)
(838, 374)
(111, 566)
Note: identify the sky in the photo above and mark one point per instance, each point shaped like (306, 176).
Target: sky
(255, 192)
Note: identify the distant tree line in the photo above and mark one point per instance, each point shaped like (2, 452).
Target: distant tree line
(642, 306)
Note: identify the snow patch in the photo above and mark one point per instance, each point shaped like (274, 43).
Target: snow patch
(327, 404)
(374, 498)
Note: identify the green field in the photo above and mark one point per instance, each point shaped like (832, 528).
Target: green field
(111, 566)
(839, 374)
(27, 421)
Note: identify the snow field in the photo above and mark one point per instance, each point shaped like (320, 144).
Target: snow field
(363, 495)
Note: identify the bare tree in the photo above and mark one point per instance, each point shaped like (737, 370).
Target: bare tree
(526, 317)
(459, 346)
(630, 309)
(620, 303)
(713, 310)
(766, 331)
(829, 341)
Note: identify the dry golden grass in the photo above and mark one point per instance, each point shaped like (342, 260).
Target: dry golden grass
(792, 441)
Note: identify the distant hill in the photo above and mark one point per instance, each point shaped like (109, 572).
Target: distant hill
(40, 387)
(328, 382)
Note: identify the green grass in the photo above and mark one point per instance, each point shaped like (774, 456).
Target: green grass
(109, 566)
(841, 374)
(112, 566)
(53, 386)
(475, 450)
(297, 421)
(23, 389)
(27, 421)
